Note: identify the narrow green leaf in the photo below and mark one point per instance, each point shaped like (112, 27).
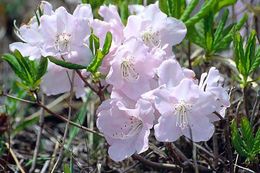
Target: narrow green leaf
(219, 31)
(94, 43)
(239, 53)
(196, 36)
(42, 67)
(242, 21)
(208, 28)
(247, 134)
(236, 140)
(256, 63)
(176, 5)
(163, 6)
(65, 64)
(66, 168)
(208, 6)
(124, 12)
(16, 67)
(256, 148)
(107, 43)
(250, 51)
(223, 3)
(26, 66)
(189, 10)
(96, 62)
(84, 1)
(80, 118)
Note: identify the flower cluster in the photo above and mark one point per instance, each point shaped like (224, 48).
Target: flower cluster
(62, 35)
(149, 88)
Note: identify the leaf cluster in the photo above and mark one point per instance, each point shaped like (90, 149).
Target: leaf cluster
(244, 141)
(247, 57)
(29, 71)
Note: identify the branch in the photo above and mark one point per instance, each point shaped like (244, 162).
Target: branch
(157, 165)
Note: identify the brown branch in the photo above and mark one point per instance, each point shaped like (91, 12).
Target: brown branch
(86, 82)
(157, 165)
(71, 122)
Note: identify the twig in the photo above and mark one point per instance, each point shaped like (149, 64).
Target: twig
(245, 101)
(39, 135)
(15, 158)
(255, 107)
(67, 124)
(189, 55)
(71, 122)
(45, 166)
(215, 150)
(56, 115)
(54, 155)
(157, 165)
(167, 166)
(178, 158)
(229, 148)
(19, 99)
(219, 116)
(86, 82)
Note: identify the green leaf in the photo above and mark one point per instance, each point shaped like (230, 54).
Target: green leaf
(188, 10)
(220, 28)
(208, 23)
(256, 63)
(236, 140)
(223, 3)
(196, 34)
(256, 147)
(80, 118)
(247, 134)
(26, 66)
(123, 9)
(16, 67)
(250, 51)
(96, 62)
(208, 6)
(65, 64)
(107, 43)
(42, 67)
(84, 1)
(163, 4)
(94, 43)
(66, 168)
(239, 53)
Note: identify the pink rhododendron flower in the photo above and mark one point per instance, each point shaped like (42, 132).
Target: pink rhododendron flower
(211, 83)
(65, 37)
(29, 34)
(154, 28)
(184, 111)
(126, 129)
(132, 69)
(61, 35)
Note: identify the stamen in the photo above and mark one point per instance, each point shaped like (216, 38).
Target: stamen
(128, 70)
(150, 38)
(182, 110)
(62, 42)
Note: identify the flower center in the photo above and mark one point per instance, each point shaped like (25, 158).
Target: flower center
(62, 42)
(128, 70)
(150, 38)
(131, 127)
(182, 109)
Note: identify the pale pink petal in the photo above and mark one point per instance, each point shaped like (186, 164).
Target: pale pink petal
(166, 129)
